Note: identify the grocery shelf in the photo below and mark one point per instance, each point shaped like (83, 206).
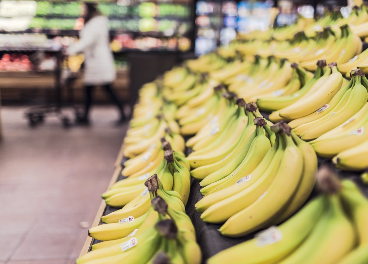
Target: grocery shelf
(208, 237)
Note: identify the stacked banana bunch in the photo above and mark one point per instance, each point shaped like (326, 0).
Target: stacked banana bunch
(330, 229)
(338, 45)
(269, 78)
(245, 192)
(151, 117)
(174, 174)
(357, 20)
(163, 233)
(125, 191)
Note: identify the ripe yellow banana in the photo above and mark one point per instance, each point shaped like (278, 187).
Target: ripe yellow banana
(313, 102)
(266, 207)
(221, 205)
(274, 243)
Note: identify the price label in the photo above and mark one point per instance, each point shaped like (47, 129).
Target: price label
(143, 177)
(129, 244)
(144, 193)
(268, 236)
(244, 179)
(359, 131)
(323, 108)
(278, 93)
(129, 219)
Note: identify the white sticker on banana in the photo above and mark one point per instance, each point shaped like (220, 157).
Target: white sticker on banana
(354, 59)
(146, 156)
(143, 177)
(278, 93)
(323, 108)
(144, 193)
(244, 179)
(358, 132)
(269, 236)
(128, 219)
(201, 111)
(129, 244)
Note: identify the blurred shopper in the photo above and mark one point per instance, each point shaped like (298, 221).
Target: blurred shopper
(99, 61)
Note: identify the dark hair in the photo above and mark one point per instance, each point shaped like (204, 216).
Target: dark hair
(92, 11)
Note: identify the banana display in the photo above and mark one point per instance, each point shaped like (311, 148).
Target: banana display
(244, 199)
(254, 174)
(331, 228)
(163, 232)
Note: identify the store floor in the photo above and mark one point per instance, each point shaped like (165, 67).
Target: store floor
(51, 180)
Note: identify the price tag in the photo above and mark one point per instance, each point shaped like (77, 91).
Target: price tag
(129, 219)
(269, 236)
(262, 84)
(129, 244)
(278, 93)
(320, 51)
(144, 193)
(201, 111)
(323, 108)
(358, 131)
(214, 130)
(244, 179)
(146, 156)
(354, 59)
(143, 177)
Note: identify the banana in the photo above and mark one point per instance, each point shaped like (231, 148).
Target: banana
(356, 204)
(181, 181)
(233, 163)
(353, 123)
(281, 78)
(224, 167)
(341, 96)
(324, 244)
(258, 150)
(221, 205)
(313, 102)
(353, 158)
(291, 87)
(278, 103)
(267, 206)
(149, 221)
(117, 230)
(331, 146)
(136, 208)
(310, 164)
(356, 101)
(227, 145)
(356, 256)
(114, 253)
(274, 243)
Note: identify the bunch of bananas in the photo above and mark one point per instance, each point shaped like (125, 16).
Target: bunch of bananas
(172, 163)
(174, 174)
(334, 45)
(348, 101)
(331, 228)
(151, 117)
(243, 193)
(163, 232)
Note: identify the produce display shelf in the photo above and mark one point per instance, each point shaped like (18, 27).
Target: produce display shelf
(208, 237)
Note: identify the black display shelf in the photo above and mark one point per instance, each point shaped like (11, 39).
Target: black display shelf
(209, 238)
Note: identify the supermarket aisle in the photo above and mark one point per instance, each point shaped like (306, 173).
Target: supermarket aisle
(51, 180)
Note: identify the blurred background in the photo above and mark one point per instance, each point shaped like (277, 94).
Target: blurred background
(145, 36)
(51, 178)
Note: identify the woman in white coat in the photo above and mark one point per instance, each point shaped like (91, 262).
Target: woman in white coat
(99, 61)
